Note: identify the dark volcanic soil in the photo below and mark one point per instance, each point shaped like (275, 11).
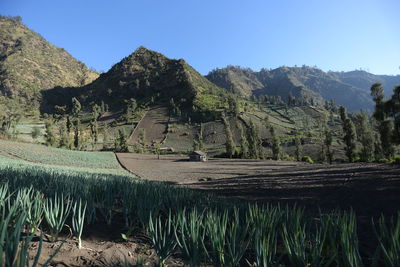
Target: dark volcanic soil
(103, 246)
(369, 188)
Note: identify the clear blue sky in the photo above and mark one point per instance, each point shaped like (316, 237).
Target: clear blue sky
(331, 34)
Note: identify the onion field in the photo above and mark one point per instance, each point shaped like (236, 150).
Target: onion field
(56, 156)
(38, 199)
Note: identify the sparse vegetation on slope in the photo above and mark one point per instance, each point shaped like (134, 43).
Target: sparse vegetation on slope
(150, 78)
(29, 64)
(350, 89)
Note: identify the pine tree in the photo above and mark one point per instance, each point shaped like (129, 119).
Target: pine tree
(195, 145)
(386, 134)
(120, 143)
(395, 106)
(77, 140)
(229, 144)
(130, 108)
(244, 144)
(64, 138)
(157, 147)
(76, 107)
(322, 153)
(50, 137)
(377, 93)
(291, 99)
(172, 103)
(105, 137)
(178, 112)
(328, 143)
(261, 150)
(385, 126)
(103, 107)
(377, 147)
(299, 148)
(276, 145)
(365, 136)
(234, 106)
(200, 138)
(94, 130)
(142, 138)
(349, 137)
(96, 111)
(254, 141)
(68, 124)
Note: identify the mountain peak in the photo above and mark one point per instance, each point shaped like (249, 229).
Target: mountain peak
(146, 73)
(146, 56)
(143, 50)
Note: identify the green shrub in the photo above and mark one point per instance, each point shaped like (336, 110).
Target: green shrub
(307, 159)
(396, 159)
(288, 158)
(384, 160)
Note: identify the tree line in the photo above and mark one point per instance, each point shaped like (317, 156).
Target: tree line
(364, 138)
(72, 134)
(377, 135)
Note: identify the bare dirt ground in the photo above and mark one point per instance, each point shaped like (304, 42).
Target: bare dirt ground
(368, 188)
(155, 119)
(102, 245)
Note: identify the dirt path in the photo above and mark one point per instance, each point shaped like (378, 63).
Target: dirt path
(369, 189)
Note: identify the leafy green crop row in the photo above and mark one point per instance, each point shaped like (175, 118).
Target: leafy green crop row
(200, 226)
(21, 213)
